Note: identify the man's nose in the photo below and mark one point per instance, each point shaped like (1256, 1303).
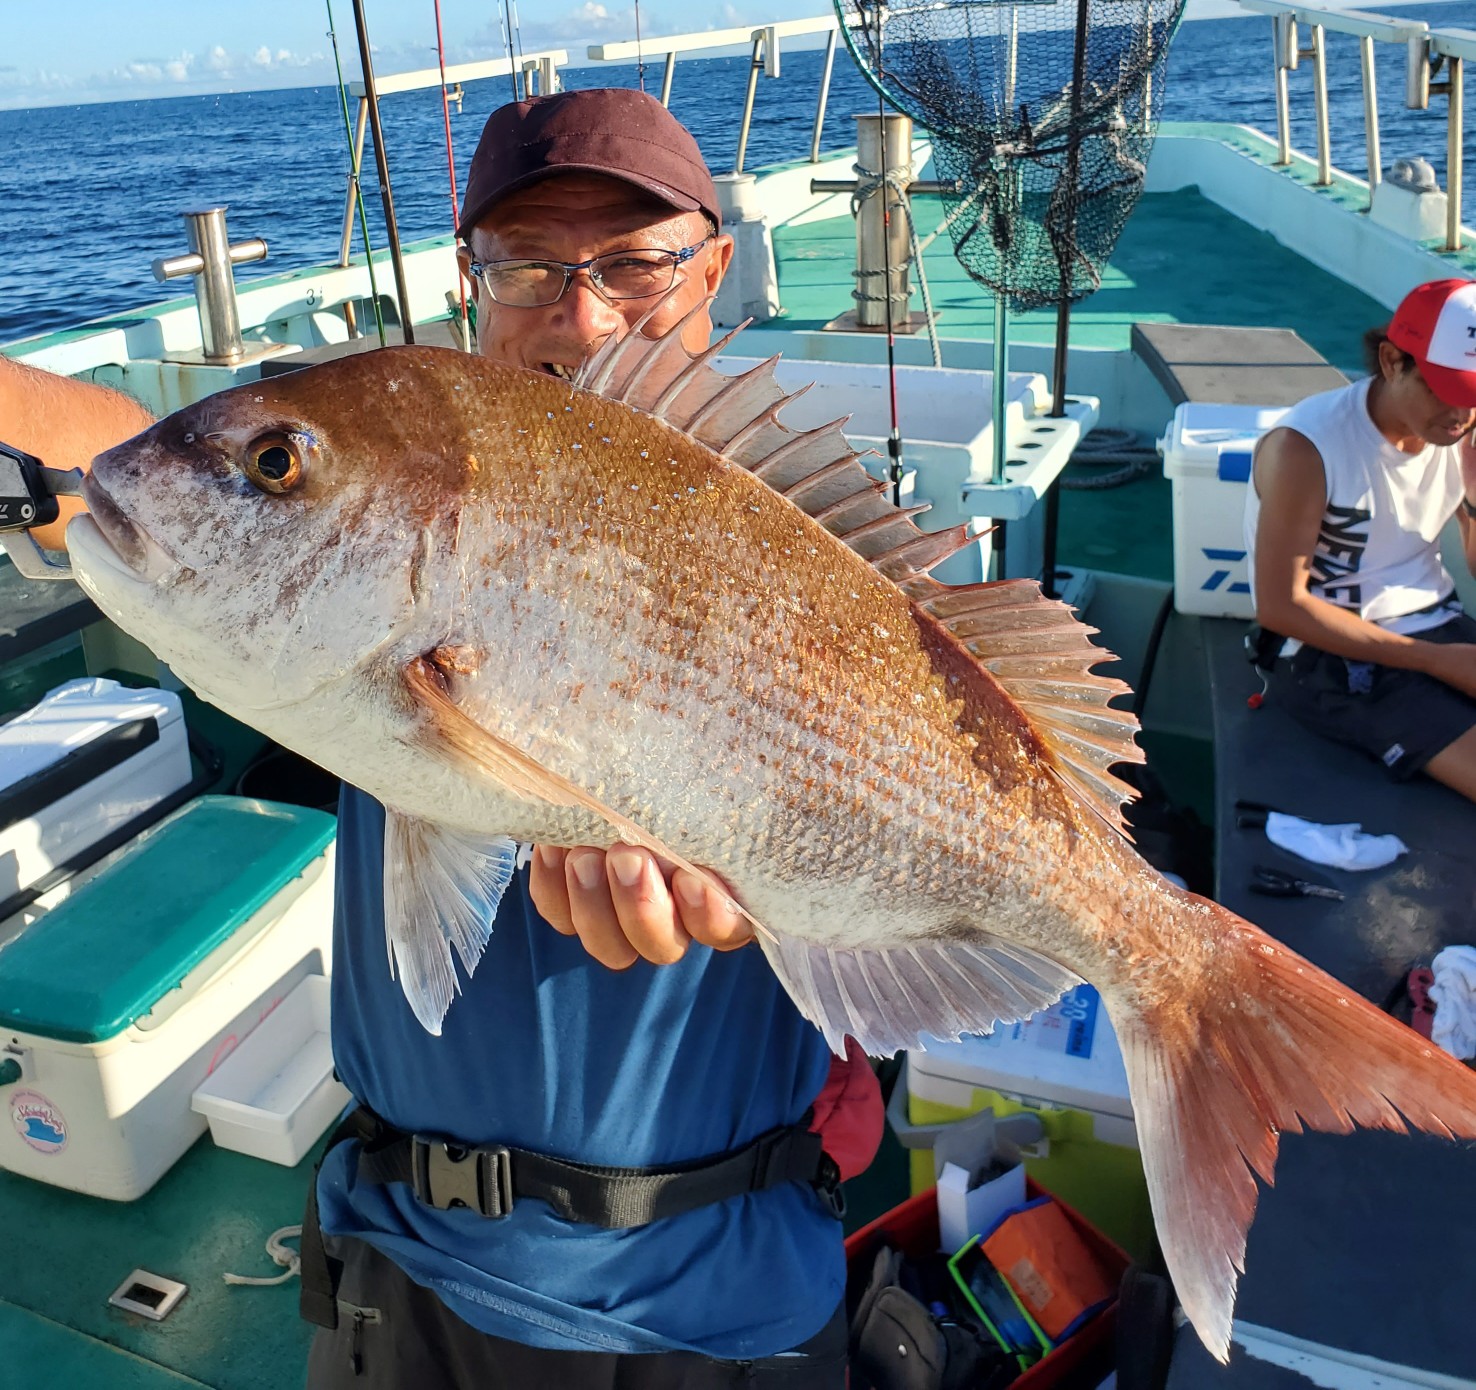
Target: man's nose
(585, 309)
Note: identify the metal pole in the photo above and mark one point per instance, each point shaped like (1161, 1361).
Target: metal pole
(1319, 87)
(371, 96)
(1371, 116)
(1001, 336)
(1454, 156)
(353, 183)
(753, 72)
(666, 77)
(824, 97)
(1284, 55)
(1064, 254)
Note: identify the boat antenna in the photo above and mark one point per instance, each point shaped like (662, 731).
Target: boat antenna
(354, 177)
(372, 97)
(451, 169)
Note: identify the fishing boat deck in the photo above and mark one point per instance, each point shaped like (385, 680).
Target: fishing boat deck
(1181, 259)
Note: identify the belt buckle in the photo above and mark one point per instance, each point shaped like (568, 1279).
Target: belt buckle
(446, 1176)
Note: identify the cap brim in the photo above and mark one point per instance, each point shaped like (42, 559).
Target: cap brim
(663, 193)
(1452, 388)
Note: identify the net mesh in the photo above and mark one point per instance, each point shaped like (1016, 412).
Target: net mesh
(1046, 168)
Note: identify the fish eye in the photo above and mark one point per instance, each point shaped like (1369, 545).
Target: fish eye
(274, 463)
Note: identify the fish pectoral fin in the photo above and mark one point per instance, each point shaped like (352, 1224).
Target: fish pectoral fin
(461, 740)
(442, 888)
(891, 999)
(1266, 1044)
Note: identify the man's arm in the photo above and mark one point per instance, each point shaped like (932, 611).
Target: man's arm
(65, 424)
(1468, 523)
(1289, 478)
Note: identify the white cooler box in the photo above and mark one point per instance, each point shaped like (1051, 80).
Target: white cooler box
(1207, 459)
(87, 759)
(117, 1004)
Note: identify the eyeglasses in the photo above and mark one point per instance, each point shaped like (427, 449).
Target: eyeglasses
(635, 274)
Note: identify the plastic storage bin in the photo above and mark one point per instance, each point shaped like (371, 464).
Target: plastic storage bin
(1207, 460)
(276, 1094)
(119, 1002)
(88, 758)
(1064, 1066)
(1084, 1358)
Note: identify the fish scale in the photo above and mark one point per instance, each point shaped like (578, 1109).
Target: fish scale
(514, 608)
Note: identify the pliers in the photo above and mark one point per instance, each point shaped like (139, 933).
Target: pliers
(1275, 883)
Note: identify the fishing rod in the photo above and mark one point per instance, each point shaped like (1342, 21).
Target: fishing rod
(451, 168)
(894, 439)
(358, 193)
(371, 95)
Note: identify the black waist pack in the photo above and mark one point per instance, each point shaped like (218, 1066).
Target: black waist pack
(898, 1344)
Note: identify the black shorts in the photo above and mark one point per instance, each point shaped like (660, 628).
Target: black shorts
(393, 1334)
(1401, 718)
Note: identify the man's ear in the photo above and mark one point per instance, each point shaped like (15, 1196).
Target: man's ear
(1392, 360)
(718, 259)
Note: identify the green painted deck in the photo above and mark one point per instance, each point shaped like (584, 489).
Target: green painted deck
(1181, 259)
(64, 1253)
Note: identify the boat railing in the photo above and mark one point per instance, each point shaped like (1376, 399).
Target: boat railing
(531, 73)
(1427, 50)
(763, 43)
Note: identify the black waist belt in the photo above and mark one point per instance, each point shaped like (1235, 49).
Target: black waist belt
(490, 1180)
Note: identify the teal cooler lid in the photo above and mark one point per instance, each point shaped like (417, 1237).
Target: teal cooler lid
(105, 956)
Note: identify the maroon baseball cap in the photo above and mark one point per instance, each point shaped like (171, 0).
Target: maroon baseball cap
(614, 131)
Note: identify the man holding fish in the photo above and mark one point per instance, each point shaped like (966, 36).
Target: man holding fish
(632, 607)
(583, 212)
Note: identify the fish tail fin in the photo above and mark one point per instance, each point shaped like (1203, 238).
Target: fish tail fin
(1274, 1044)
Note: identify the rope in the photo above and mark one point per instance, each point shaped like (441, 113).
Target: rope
(640, 56)
(868, 184)
(1103, 447)
(451, 168)
(281, 1255)
(354, 174)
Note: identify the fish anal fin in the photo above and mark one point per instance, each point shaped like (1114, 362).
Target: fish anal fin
(893, 999)
(1008, 636)
(441, 892)
(456, 737)
(1275, 1046)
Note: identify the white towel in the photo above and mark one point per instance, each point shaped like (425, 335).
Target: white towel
(1454, 994)
(1341, 846)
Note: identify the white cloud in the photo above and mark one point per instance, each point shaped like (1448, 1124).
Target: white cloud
(218, 60)
(178, 69)
(262, 57)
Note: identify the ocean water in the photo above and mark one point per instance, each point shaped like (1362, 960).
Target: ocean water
(90, 195)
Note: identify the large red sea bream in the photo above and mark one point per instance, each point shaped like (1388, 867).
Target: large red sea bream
(638, 608)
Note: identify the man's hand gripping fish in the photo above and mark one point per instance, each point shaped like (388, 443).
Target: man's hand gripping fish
(638, 608)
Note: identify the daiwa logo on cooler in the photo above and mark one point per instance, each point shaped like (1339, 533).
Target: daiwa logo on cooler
(38, 1122)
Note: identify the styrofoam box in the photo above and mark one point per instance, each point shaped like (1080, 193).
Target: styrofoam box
(1207, 459)
(65, 722)
(276, 1093)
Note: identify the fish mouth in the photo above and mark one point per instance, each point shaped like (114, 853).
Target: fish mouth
(558, 369)
(139, 554)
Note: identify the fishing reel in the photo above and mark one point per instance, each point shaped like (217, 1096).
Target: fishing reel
(28, 493)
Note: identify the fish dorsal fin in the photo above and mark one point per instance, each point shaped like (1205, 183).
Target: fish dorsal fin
(1034, 647)
(736, 416)
(1041, 654)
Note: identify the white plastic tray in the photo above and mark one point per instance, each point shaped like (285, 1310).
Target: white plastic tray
(275, 1094)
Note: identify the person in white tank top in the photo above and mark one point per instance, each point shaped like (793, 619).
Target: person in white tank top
(1347, 500)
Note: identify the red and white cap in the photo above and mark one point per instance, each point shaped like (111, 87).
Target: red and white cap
(1436, 325)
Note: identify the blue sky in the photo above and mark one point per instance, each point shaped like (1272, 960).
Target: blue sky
(103, 50)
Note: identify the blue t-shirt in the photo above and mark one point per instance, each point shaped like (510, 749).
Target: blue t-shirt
(548, 1050)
